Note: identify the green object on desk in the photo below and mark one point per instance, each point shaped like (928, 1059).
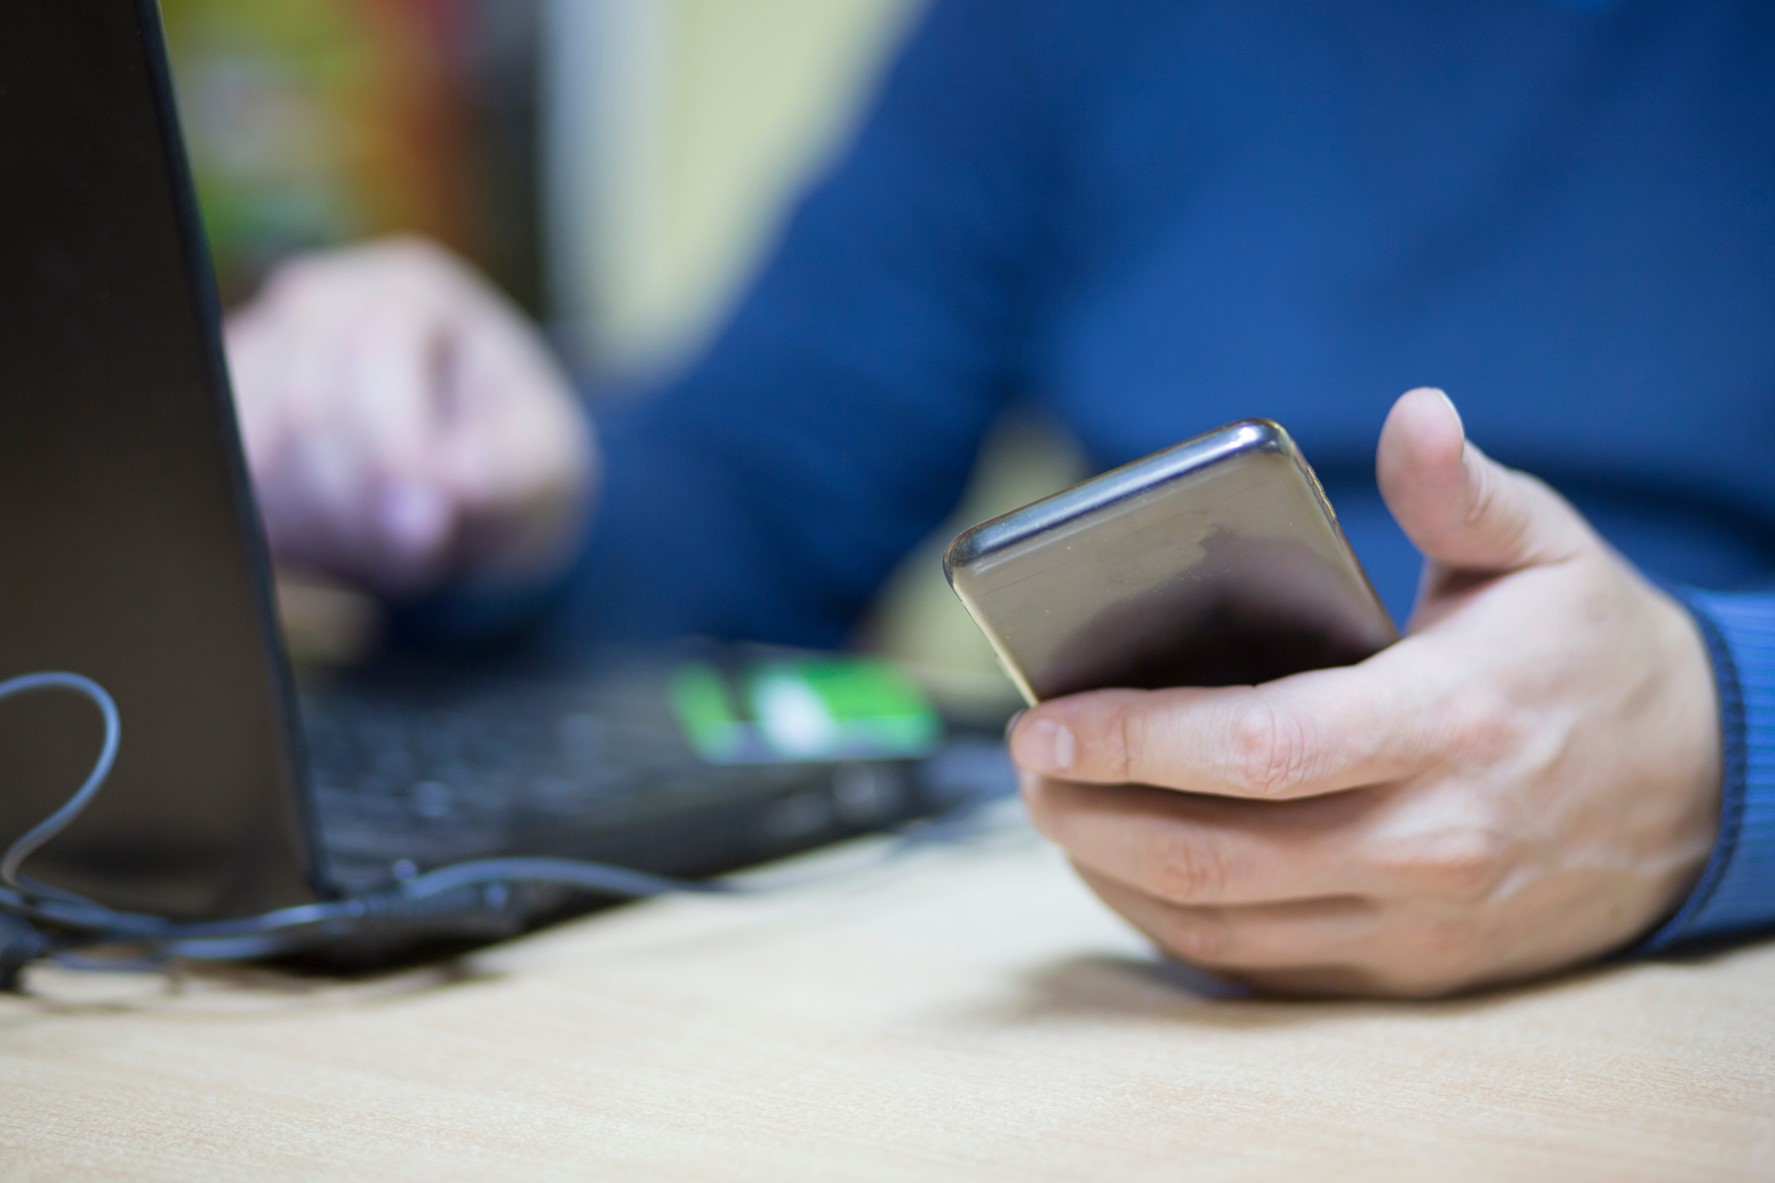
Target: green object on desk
(807, 709)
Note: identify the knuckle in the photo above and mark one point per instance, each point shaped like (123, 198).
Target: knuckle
(1270, 752)
(1467, 866)
(1513, 507)
(1185, 866)
(1482, 726)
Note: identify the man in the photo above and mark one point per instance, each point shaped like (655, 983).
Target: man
(1147, 219)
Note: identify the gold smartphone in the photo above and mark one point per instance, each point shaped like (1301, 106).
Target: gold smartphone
(1216, 562)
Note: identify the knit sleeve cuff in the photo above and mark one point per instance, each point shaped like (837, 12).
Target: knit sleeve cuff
(1736, 891)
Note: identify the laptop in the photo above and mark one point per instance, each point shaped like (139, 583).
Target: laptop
(130, 553)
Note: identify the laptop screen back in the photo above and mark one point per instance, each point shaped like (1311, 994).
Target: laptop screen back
(128, 552)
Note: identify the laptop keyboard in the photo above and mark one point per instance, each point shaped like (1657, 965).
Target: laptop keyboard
(407, 761)
(411, 772)
(425, 775)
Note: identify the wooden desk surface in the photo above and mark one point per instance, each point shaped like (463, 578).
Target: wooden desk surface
(975, 1016)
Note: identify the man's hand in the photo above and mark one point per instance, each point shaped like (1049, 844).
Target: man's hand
(404, 425)
(1528, 780)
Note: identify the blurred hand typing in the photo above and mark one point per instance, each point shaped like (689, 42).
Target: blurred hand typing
(405, 426)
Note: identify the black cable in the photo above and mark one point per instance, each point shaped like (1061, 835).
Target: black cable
(20, 944)
(458, 890)
(28, 843)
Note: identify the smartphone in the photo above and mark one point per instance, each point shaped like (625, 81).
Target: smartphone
(1217, 562)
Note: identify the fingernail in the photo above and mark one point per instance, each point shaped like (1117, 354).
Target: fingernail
(1011, 723)
(1452, 409)
(1044, 746)
(412, 517)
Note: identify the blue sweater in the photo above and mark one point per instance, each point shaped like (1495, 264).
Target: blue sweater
(1147, 217)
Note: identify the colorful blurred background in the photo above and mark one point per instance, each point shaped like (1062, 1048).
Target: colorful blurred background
(617, 165)
(322, 121)
(620, 167)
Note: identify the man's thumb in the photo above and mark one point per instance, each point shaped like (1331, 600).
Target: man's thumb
(1459, 506)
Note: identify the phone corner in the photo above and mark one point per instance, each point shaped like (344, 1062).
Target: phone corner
(1265, 435)
(963, 550)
